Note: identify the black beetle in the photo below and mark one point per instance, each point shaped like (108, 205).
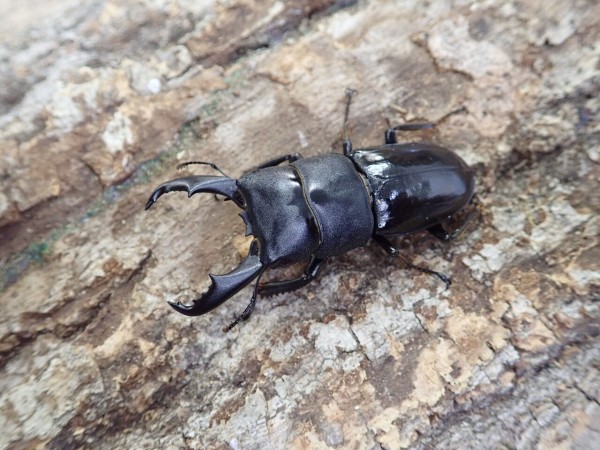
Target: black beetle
(326, 205)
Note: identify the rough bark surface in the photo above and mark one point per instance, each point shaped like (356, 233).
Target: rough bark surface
(99, 101)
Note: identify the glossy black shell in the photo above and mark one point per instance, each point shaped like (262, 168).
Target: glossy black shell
(414, 185)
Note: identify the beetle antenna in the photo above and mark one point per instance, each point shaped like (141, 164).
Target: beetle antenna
(189, 163)
(347, 144)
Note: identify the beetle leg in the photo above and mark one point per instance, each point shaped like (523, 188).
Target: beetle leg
(248, 311)
(189, 163)
(276, 161)
(347, 143)
(395, 253)
(279, 287)
(440, 232)
(390, 133)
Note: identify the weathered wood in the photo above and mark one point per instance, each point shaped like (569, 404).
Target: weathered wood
(100, 102)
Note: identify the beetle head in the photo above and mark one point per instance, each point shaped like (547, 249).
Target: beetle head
(222, 287)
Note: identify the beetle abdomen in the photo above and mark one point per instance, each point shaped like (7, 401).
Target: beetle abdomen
(339, 201)
(414, 185)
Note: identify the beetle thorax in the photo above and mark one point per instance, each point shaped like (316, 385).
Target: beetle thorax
(315, 206)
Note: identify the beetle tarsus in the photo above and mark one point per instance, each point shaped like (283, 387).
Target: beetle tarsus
(440, 232)
(249, 309)
(347, 143)
(206, 163)
(459, 110)
(406, 264)
(390, 133)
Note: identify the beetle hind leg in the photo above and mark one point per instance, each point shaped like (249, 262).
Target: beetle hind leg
(395, 253)
(442, 234)
(390, 133)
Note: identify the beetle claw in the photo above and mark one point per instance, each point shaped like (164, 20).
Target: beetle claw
(180, 307)
(194, 184)
(223, 287)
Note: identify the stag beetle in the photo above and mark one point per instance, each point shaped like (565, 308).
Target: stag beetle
(323, 206)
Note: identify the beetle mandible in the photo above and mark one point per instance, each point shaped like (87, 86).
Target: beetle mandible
(322, 206)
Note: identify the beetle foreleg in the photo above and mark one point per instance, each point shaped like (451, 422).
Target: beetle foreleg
(276, 161)
(279, 287)
(395, 253)
(248, 311)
